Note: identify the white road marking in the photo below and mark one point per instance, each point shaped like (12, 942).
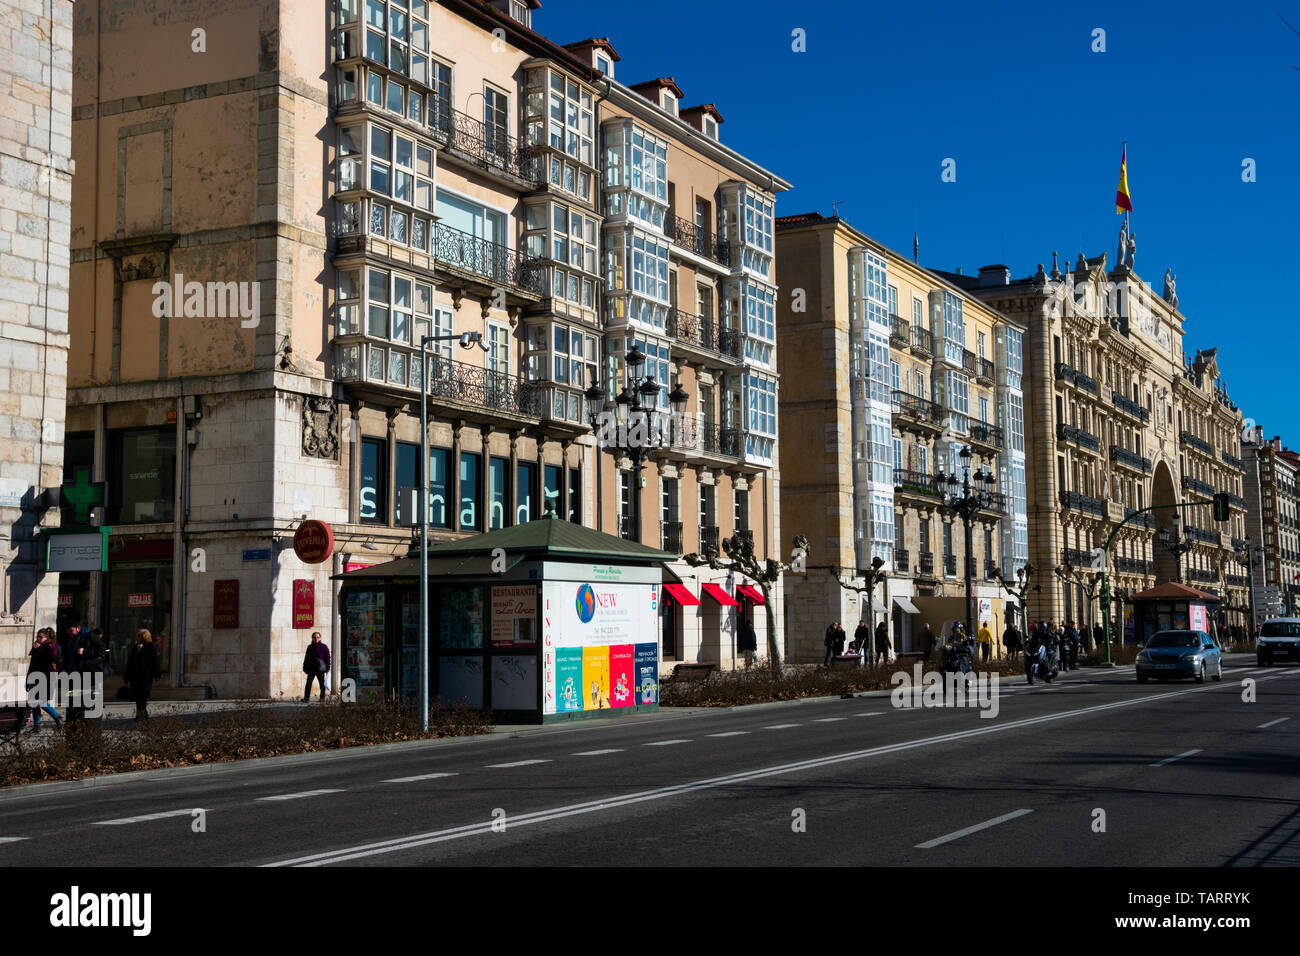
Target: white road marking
(665, 743)
(423, 776)
(296, 796)
(13, 839)
(1186, 753)
(1272, 723)
(870, 713)
(729, 733)
(412, 841)
(957, 835)
(826, 720)
(517, 763)
(779, 726)
(598, 753)
(147, 816)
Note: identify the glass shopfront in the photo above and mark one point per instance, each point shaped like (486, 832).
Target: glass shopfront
(142, 475)
(139, 596)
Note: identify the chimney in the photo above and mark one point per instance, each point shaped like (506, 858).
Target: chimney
(994, 275)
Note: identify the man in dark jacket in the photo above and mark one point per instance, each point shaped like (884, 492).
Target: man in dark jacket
(862, 640)
(1070, 647)
(830, 644)
(141, 670)
(882, 642)
(1012, 640)
(316, 664)
(83, 654)
(746, 640)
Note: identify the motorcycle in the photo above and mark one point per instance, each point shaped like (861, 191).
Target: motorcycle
(1042, 663)
(958, 657)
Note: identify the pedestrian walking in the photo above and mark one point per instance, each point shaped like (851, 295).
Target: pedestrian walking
(315, 664)
(1072, 645)
(830, 644)
(746, 641)
(40, 681)
(1011, 637)
(985, 638)
(142, 669)
(1098, 637)
(882, 642)
(841, 638)
(83, 655)
(862, 639)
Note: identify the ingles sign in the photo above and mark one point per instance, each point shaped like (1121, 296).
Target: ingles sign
(313, 542)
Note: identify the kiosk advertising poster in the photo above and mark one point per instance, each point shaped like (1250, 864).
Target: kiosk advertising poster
(1200, 620)
(514, 616)
(600, 645)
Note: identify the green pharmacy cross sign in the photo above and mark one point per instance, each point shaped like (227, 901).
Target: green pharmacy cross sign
(82, 495)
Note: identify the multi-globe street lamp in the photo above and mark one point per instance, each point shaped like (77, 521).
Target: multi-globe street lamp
(965, 505)
(1176, 545)
(1024, 575)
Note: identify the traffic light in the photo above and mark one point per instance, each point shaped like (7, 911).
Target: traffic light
(1221, 507)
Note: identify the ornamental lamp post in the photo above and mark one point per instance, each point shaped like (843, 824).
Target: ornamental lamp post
(965, 506)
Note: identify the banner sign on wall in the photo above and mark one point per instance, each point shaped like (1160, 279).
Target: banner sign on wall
(514, 616)
(225, 604)
(600, 645)
(304, 603)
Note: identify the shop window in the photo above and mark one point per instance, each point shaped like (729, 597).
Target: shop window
(374, 481)
(525, 488)
(470, 492)
(142, 475)
(497, 507)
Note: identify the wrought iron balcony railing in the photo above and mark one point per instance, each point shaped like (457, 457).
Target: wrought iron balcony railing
(689, 236)
(902, 559)
(708, 538)
(1232, 460)
(1077, 558)
(460, 251)
(1085, 382)
(991, 570)
(1202, 575)
(695, 330)
(1126, 565)
(729, 342)
(716, 440)
(1145, 520)
(987, 434)
(900, 331)
(925, 563)
(987, 371)
(917, 482)
(1078, 436)
(1198, 486)
(671, 540)
(992, 501)
(1200, 444)
(950, 565)
(918, 409)
(1073, 501)
(968, 361)
(1235, 580)
(1129, 407)
(1123, 456)
(1194, 533)
(1238, 544)
(486, 145)
(1236, 501)
(922, 341)
(1065, 373)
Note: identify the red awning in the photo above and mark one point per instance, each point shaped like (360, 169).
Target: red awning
(722, 597)
(681, 594)
(750, 593)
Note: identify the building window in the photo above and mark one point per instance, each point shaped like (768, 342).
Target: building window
(706, 506)
(525, 489)
(710, 127)
(374, 481)
(498, 506)
(760, 401)
(575, 495)
(668, 100)
(142, 475)
(605, 65)
(519, 11)
(741, 517)
(406, 478)
(470, 492)
(625, 504)
(396, 35)
(438, 458)
(551, 492)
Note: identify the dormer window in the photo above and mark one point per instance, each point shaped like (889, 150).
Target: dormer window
(519, 11)
(710, 127)
(668, 100)
(605, 65)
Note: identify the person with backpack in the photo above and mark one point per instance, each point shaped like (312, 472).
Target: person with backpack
(142, 669)
(315, 664)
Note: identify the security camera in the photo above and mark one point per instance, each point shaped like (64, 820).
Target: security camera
(470, 339)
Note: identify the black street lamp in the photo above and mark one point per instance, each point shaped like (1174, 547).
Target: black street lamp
(633, 412)
(1246, 556)
(965, 506)
(1069, 574)
(871, 578)
(1024, 575)
(1176, 545)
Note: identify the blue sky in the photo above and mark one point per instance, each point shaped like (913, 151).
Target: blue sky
(1034, 119)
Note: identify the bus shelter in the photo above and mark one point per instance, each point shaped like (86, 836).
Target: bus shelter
(546, 620)
(1169, 606)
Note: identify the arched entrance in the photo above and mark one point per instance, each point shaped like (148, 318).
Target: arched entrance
(1163, 493)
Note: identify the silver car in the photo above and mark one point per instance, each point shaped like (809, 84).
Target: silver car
(1172, 654)
(1279, 640)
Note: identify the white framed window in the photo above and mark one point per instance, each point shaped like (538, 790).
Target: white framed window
(605, 65)
(918, 314)
(710, 126)
(958, 400)
(668, 100)
(498, 357)
(954, 328)
(979, 344)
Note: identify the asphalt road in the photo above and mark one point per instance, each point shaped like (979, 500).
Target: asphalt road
(1096, 770)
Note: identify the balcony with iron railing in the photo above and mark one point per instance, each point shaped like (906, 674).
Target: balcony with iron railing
(925, 564)
(918, 411)
(1144, 520)
(992, 501)
(916, 483)
(968, 361)
(1129, 407)
(900, 332)
(922, 341)
(1127, 565)
(1197, 486)
(1073, 501)
(902, 560)
(1077, 558)
(1233, 460)
(1200, 444)
(1236, 501)
(1085, 383)
(1193, 533)
(1202, 576)
(671, 537)
(487, 262)
(1238, 544)
(717, 440)
(1235, 580)
(987, 372)
(985, 434)
(482, 145)
(694, 330)
(991, 570)
(366, 361)
(708, 538)
(1130, 459)
(950, 565)
(702, 242)
(1079, 437)
(1064, 373)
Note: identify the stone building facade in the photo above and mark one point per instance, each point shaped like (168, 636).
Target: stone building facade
(264, 229)
(1273, 531)
(35, 203)
(1118, 418)
(882, 394)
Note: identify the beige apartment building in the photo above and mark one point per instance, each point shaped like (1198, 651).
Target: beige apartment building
(35, 200)
(1118, 417)
(895, 378)
(1273, 529)
(264, 231)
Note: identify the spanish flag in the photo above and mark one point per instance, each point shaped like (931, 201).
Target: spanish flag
(1122, 201)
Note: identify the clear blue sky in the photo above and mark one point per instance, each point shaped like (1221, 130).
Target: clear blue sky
(1013, 92)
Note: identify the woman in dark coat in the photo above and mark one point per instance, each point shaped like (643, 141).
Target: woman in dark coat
(141, 671)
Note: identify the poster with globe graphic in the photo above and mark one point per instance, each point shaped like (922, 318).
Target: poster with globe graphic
(578, 617)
